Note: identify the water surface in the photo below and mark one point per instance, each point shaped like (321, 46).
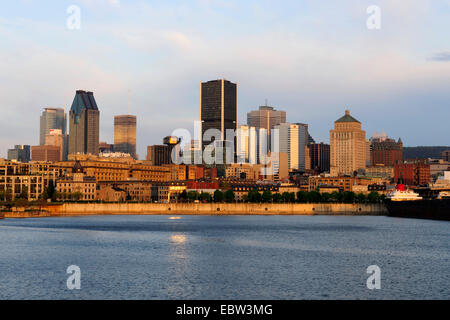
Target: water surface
(232, 257)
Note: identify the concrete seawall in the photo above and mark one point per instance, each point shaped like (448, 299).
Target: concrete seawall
(83, 209)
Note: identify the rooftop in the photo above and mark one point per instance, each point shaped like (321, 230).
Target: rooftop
(347, 118)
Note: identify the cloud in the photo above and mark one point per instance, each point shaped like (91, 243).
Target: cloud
(442, 56)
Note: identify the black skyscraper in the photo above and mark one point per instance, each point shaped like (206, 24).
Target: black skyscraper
(218, 107)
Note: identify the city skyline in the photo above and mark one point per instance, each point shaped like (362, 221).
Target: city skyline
(401, 69)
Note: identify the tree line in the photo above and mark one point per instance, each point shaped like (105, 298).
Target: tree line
(255, 196)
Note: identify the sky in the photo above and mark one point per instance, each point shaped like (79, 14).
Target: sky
(313, 59)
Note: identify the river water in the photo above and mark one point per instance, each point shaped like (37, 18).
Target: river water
(228, 257)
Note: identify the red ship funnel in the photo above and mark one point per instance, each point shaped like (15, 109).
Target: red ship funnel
(401, 187)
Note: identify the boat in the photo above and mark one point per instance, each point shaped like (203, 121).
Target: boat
(409, 204)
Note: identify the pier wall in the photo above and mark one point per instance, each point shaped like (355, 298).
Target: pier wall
(81, 209)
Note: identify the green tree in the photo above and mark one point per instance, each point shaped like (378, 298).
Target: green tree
(276, 197)
(349, 197)
(266, 196)
(302, 197)
(361, 198)
(50, 191)
(326, 197)
(218, 196)
(254, 196)
(314, 197)
(205, 196)
(183, 196)
(229, 196)
(192, 196)
(373, 197)
(285, 197)
(336, 196)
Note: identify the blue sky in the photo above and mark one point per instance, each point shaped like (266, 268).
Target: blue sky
(313, 59)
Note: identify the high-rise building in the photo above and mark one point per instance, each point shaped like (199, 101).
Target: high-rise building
(348, 146)
(125, 134)
(159, 155)
(293, 138)
(84, 124)
(266, 117)
(20, 153)
(55, 138)
(247, 144)
(385, 151)
(318, 157)
(218, 109)
(52, 118)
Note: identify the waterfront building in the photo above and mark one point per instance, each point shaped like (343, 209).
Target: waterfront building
(84, 124)
(78, 186)
(446, 155)
(125, 134)
(167, 192)
(202, 187)
(218, 109)
(347, 146)
(318, 157)
(177, 172)
(20, 153)
(46, 153)
(413, 173)
(117, 168)
(293, 139)
(344, 183)
(113, 191)
(17, 180)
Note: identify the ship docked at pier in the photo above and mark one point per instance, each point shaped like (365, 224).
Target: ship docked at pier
(420, 203)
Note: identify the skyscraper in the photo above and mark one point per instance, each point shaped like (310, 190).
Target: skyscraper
(218, 108)
(385, 151)
(266, 117)
(125, 134)
(293, 138)
(84, 121)
(52, 118)
(347, 146)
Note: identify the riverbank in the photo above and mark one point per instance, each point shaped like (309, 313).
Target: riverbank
(89, 209)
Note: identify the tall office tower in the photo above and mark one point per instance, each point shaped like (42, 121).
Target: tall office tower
(84, 123)
(347, 146)
(247, 144)
(125, 134)
(318, 157)
(218, 109)
(293, 138)
(52, 118)
(266, 118)
(385, 151)
(20, 153)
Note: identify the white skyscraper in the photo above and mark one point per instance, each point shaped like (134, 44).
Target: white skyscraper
(293, 138)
